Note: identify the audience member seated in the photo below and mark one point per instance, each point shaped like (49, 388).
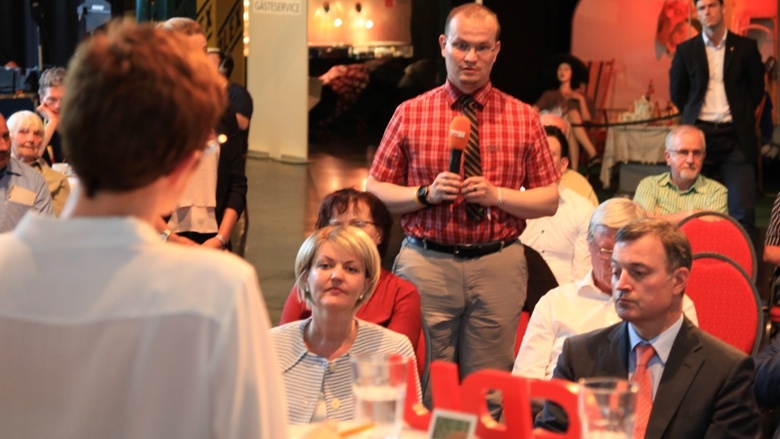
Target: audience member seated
(238, 96)
(561, 239)
(584, 305)
(570, 179)
(337, 269)
(210, 207)
(692, 385)
(772, 239)
(21, 188)
(682, 191)
(51, 92)
(767, 383)
(26, 136)
(106, 330)
(568, 102)
(395, 303)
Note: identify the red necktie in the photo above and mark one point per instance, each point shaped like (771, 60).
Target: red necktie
(644, 403)
(472, 162)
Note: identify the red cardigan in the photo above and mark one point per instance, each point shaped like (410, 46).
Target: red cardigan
(395, 305)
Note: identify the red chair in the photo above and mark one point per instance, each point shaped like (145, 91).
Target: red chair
(727, 303)
(713, 232)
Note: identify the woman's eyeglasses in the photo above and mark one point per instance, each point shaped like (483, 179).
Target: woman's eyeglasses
(360, 224)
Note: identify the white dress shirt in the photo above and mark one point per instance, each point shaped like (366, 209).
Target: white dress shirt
(109, 332)
(571, 309)
(716, 106)
(562, 239)
(662, 345)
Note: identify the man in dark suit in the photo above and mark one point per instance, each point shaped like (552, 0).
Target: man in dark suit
(698, 386)
(722, 103)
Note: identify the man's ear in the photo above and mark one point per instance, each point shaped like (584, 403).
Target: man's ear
(564, 164)
(680, 277)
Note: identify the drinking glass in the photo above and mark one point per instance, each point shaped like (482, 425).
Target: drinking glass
(606, 407)
(379, 385)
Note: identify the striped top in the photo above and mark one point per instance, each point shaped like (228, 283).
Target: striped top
(658, 195)
(307, 375)
(773, 231)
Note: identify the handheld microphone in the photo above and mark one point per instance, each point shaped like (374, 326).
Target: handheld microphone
(460, 129)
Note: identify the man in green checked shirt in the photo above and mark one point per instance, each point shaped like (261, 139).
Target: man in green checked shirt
(682, 191)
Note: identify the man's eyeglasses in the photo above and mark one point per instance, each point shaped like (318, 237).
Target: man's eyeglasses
(698, 153)
(479, 49)
(360, 224)
(604, 253)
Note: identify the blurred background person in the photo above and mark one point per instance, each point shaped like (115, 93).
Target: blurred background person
(337, 269)
(51, 91)
(210, 207)
(26, 139)
(567, 101)
(562, 239)
(570, 178)
(238, 96)
(395, 303)
(21, 188)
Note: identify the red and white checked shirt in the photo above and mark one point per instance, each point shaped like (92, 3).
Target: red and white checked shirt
(415, 148)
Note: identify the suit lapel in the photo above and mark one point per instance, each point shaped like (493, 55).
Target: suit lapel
(685, 360)
(730, 50)
(614, 355)
(700, 55)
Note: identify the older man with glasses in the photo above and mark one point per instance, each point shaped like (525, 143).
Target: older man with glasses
(682, 191)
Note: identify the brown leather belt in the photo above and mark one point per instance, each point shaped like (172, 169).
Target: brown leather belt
(461, 251)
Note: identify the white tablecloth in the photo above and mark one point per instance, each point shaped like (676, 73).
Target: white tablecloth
(632, 143)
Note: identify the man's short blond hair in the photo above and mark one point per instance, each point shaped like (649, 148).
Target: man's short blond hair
(472, 10)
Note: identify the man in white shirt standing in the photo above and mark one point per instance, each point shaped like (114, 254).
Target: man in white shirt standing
(581, 306)
(107, 330)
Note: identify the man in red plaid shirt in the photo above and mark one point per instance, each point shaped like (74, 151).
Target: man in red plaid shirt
(471, 272)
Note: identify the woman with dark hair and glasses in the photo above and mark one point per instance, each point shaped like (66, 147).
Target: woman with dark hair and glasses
(396, 302)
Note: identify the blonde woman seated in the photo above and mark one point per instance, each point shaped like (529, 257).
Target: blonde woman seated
(337, 271)
(26, 130)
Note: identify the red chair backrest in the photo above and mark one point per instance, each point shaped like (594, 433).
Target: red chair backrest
(713, 232)
(727, 303)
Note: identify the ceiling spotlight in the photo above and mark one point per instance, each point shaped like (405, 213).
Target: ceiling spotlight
(337, 22)
(369, 24)
(358, 7)
(326, 7)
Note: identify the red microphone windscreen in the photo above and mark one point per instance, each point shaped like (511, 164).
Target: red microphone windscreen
(460, 128)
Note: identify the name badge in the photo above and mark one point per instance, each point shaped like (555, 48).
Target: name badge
(21, 196)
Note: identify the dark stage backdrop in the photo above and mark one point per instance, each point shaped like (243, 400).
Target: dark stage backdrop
(531, 31)
(59, 30)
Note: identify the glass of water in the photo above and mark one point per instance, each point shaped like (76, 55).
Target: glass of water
(379, 385)
(607, 407)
